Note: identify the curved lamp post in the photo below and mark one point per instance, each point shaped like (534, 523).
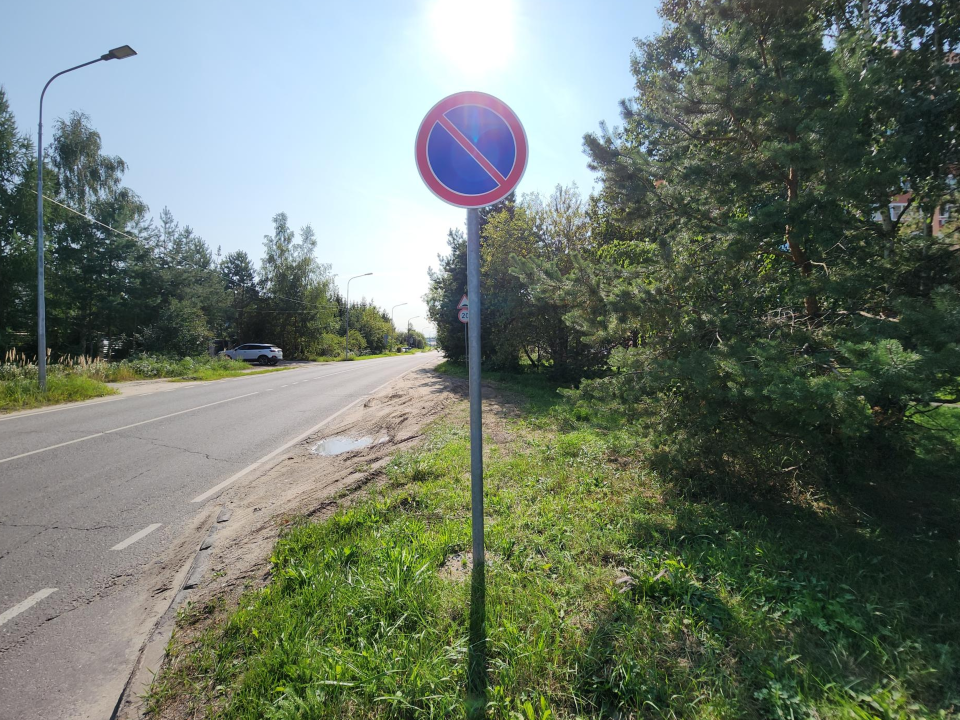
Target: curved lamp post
(392, 326)
(119, 53)
(346, 340)
(408, 326)
(392, 309)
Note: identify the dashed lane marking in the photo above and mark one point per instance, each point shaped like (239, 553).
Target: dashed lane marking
(136, 536)
(125, 427)
(25, 605)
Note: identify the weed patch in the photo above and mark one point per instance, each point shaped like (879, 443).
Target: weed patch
(24, 392)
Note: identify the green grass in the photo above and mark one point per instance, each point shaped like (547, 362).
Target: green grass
(74, 379)
(607, 594)
(539, 392)
(23, 393)
(146, 367)
(944, 421)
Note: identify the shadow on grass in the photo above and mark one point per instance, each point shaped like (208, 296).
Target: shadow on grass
(776, 610)
(533, 391)
(477, 677)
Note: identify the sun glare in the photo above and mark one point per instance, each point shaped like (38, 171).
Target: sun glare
(475, 39)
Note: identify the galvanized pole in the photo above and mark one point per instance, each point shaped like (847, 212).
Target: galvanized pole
(41, 300)
(346, 340)
(392, 326)
(346, 335)
(473, 372)
(116, 54)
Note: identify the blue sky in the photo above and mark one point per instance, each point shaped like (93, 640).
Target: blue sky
(235, 111)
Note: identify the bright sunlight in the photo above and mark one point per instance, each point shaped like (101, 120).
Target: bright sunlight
(475, 41)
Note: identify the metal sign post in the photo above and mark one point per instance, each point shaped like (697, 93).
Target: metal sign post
(473, 372)
(471, 152)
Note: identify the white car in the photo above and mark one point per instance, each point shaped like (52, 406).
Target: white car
(255, 352)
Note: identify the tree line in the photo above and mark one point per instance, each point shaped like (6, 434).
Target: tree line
(118, 282)
(740, 284)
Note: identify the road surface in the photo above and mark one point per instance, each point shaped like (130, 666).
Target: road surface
(91, 494)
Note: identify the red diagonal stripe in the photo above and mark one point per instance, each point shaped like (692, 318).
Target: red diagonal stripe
(474, 153)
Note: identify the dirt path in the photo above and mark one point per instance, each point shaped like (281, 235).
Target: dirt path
(254, 510)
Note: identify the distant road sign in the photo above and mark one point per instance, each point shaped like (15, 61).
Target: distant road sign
(463, 303)
(471, 150)
(463, 316)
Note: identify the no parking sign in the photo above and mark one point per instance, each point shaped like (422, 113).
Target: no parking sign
(471, 152)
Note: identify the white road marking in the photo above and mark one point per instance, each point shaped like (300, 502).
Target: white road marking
(176, 386)
(136, 536)
(26, 604)
(302, 436)
(283, 386)
(31, 413)
(125, 427)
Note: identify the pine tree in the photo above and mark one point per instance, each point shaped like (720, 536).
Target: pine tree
(774, 327)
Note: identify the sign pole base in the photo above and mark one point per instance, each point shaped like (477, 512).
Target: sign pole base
(473, 372)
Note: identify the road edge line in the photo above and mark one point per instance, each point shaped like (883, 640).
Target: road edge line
(203, 497)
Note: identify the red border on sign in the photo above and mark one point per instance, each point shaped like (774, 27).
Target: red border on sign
(519, 139)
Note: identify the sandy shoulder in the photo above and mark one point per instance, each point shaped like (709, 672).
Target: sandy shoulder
(260, 505)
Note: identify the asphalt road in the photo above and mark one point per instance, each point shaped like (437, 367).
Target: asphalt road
(90, 494)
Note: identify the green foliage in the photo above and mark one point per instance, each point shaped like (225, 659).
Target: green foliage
(295, 290)
(447, 285)
(147, 367)
(777, 322)
(527, 251)
(182, 330)
(17, 264)
(373, 328)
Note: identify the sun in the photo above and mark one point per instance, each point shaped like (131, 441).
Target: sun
(475, 39)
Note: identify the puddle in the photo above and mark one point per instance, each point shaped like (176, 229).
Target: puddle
(341, 444)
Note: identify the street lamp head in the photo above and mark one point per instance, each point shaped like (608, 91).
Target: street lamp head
(120, 53)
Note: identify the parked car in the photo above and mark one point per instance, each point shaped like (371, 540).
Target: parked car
(255, 352)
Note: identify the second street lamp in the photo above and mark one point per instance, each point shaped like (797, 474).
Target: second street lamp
(408, 327)
(346, 340)
(393, 328)
(120, 53)
(391, 311)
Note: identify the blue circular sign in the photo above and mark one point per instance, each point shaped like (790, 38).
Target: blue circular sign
(471, 150)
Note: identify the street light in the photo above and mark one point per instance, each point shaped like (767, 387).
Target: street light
(346, 341)
(408, 327)
(392, 309)
(392, 326)
(119, 53)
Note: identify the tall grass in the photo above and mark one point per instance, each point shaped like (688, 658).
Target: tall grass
(140, 367)
(73, 378)
(22, 393)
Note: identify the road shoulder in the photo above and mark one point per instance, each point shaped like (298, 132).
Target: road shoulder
(256, 510)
